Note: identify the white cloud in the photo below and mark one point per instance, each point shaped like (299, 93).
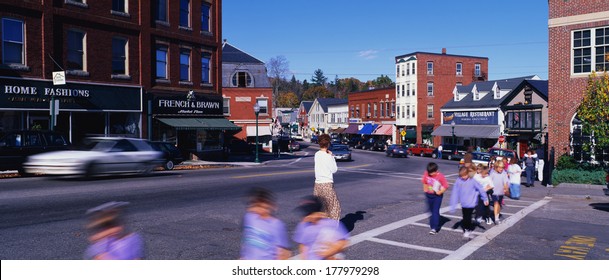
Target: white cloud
(368, 54)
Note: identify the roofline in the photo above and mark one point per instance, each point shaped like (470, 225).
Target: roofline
(370, 90)
(439, 54)
(227, 43)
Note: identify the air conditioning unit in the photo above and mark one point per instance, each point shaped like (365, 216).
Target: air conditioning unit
(368, 115)
(392, 114)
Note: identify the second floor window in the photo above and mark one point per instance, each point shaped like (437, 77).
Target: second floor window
(161, 10)
(459, 69)
(477, 70)
(119, 6)
(263, 103)
(185, 13)
(242, 79)
(226, 106)
(119, 56)
(429, 111)
(76, 50)
(590, 50)
(429, 89)
(161, 62)
(429, 68)
(184, 65)
(13, 51)
(205, 67)
(205, 17)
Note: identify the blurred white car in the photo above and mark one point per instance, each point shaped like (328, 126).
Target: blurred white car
(101, 156)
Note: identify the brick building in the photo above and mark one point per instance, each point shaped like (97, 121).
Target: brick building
(425, 82)
(578, 45)
(136, 68)
(376, 106)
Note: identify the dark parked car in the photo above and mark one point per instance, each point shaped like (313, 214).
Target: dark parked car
(171, 154)
(450, 152)
(397, 150)
(355, 142)
(478, 158)
(340, 152)
(16, 146)
(374, 144)
(314, 139)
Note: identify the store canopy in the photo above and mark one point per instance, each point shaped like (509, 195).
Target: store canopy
(339, 130)
(199, 123)
(385, 129)
(368, 129)
(352, 129)
(473, 131)
(262, 131)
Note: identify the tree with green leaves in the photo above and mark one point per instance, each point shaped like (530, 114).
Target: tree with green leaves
(383, 82)
(318, 78)
(594, 109)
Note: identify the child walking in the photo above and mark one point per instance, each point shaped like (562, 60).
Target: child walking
(514, 173)
(466, 192)
(434, 186)
(264, 236)
(483, 211)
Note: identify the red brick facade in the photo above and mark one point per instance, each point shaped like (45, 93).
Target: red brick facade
(379, 97)
(566, 90)
(241, 110)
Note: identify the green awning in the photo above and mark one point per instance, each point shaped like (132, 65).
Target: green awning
(411, 134)
(199, 123)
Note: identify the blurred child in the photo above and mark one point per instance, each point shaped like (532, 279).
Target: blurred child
(434, 186)
(319, 237)
(501, 184)
(483, 211)
(466, 192)
(108, 236)
(264, 236)
(514, 174)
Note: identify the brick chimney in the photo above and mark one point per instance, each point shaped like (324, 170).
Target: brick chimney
(443, 50)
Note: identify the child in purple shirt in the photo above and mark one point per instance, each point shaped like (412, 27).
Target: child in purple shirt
(466, 191)
(318, 236)
(264, 236)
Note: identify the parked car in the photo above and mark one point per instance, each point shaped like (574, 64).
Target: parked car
(374, 145)
(171, 154)
(16, 146)
(421, 150)
(397, 150)
(478, 158)
(355, 142)
(298, 137)
(314, 139)
(101, 156)
(340, 152)
(503, 153)
(294, 145)
(450, 152)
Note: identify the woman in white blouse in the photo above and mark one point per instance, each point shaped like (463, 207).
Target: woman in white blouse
(325, 166)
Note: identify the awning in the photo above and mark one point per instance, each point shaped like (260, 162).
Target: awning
(199, 123)
(367, 129)
(337, 130)
(411, 134)
(352, 129)
(475, 131)
(262, 130)
(385, 129)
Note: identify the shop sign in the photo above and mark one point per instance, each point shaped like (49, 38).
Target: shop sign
(195, 104)
(471, 117)
(36, 95)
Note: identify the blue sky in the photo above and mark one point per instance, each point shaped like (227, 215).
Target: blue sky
(357, 38)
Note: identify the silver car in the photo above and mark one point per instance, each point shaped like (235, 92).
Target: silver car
(101, 156)
(340, 152)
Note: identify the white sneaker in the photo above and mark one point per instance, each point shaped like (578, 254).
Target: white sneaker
(479, 220)
(497, 220)
(467, 234)
(489, 221)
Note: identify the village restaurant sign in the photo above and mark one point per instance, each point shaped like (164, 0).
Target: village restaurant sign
(22, 94)
(472, 117)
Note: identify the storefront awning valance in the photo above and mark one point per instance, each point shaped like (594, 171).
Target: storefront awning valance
(339, 130)
(262, 131)
(352, 129)
(368, 129)
(474, 131)
(411, 134)
(385, 129)
(199, 123)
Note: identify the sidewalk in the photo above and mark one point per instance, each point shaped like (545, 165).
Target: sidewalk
(244, 160)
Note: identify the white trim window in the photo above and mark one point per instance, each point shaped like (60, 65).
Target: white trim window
(76, 47)
(161, 61)
(397, 71)
(184, 64)
(226, 106)
(119, 56)
(242, 79)
(477, 71)
(205, 17)
(429, 67)
(120, 6)
(264, 105)
(429, 89)
(590, 50)
(13, 41)
(408, 90)
(430, 111)
(185, 13)
(459, 68)
(205, 67)
(413, 67)
(161, 10)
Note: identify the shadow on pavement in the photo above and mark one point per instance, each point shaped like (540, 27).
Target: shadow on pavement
(350, 219)
(600, 206)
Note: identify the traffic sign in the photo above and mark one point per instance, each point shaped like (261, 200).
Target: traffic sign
(403, 133)
(501, 139)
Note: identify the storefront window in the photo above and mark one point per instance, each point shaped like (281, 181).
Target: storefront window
(10, 121)
(125, 124)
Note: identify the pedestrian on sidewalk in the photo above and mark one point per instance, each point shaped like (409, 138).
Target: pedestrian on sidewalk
(530, 160)
(541, 156)
(325, 166)
(501, 184)
(434, 186)
(514, 173)
(319, 237)
(109, 237)
(483, 212)
(264, 236)
(466, 191)
(440, 151)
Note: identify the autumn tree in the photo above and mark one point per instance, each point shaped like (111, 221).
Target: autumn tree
(383, 82)
(288, 100)
(317, 92)
(594, 109)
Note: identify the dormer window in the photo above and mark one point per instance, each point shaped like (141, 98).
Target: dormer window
(242, 79)
(476, 95)
(497, 93)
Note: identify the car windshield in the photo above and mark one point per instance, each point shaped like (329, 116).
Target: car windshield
(100, 145)
(484, 157)
(339, 148)
(503, 153)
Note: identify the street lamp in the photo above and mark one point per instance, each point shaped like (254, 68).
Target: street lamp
(256, 111)
(452, 125)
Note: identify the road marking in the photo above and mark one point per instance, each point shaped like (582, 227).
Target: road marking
(299, 159)
(577, 247)
(410, 246)
(481, 240)
(291, 172)
(446, 228)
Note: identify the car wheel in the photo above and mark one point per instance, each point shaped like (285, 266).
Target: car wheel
(169, 165)
(450, 157)
(434, 155)
(422, 154)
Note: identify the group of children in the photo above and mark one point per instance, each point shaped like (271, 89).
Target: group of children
(476, 189)
(265, 236)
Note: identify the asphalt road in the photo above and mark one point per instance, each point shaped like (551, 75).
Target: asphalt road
(196, 214)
